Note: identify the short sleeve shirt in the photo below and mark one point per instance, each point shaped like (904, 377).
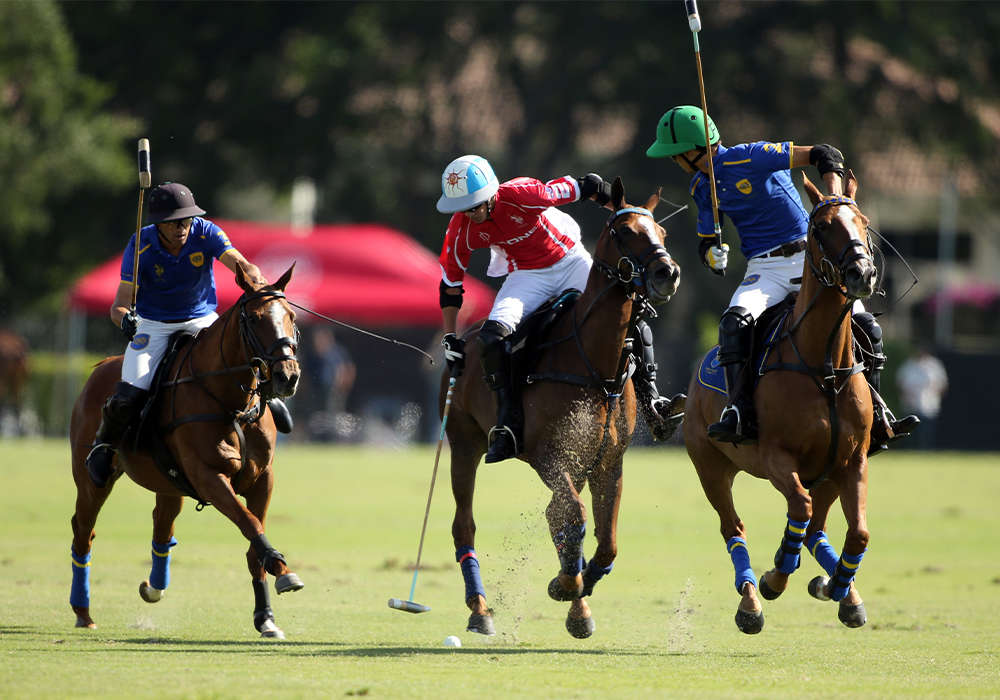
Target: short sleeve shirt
(176, 287)
(753, 182)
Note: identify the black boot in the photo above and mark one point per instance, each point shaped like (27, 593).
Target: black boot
(662, 415)
(118, 413)
(503, 436)
(279, 412)
(736, 424)
(886, 427)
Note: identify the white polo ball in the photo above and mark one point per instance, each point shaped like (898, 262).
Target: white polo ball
(452, 641)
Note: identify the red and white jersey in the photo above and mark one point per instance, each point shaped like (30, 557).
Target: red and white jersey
(518, 227)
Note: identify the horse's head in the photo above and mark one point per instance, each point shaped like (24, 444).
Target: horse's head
(839, 253)
(268, 332)
(631, 250)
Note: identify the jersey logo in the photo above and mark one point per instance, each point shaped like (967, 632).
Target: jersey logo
(197, 259)
(776, 147)
(158, 269)
(517, 219)
(140, 341)
(749, 279)
(485, 236)
(744, 186)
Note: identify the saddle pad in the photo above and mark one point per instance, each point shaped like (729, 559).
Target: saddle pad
(710, 374)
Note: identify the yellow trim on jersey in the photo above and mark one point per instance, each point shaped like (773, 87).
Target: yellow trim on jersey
(696, 182)
(735, 162)
(143, 250)
(791, 154)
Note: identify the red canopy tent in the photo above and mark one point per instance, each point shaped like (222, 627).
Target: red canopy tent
(367, 274)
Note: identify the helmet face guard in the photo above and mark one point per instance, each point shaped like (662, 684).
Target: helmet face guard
(466, 183)
(681, 129)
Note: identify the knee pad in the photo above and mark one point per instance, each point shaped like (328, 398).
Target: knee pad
(645, 350)
(493, 332)
(870, 333)
(735, 335)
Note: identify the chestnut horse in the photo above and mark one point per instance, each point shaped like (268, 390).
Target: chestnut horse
(211, 415)
(814, 410)
(579, 412)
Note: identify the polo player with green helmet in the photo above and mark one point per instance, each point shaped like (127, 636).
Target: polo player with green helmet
(754, 187)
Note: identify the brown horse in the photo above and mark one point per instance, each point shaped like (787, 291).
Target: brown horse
(211, 416)
(815, 415)
(13, 371)
(579, 412)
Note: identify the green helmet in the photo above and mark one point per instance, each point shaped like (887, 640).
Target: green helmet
(681, 129)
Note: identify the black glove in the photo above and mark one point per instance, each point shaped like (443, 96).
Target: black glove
(454, 353)
(130, 322)
(592, 183)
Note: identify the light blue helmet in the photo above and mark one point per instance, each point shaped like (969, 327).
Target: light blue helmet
(467, 182)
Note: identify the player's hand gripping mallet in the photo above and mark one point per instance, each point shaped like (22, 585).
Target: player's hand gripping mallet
(409, 605)
(694, 22)
(145, 180)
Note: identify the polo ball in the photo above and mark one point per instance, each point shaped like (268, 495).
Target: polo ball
(452, 641)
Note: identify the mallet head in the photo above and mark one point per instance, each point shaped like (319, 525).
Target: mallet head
(407, 606)
(145, 178)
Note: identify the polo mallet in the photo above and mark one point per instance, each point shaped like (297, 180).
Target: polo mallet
(145, 180)
(694, 22)
(409, 605)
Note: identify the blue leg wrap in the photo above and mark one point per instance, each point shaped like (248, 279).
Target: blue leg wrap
(79, 593)
(593, 574)
(786, 559)
(738, 552)
(159, 576)
(466, 556)
(823, 552)
(847, 567)
(569, 546)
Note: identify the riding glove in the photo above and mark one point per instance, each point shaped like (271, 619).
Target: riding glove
(130, 322)
(717, 257)
(454, 353)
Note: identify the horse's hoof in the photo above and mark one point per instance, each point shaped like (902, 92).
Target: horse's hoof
(766, 591)
(269, 630)
(852, 615)
(557, 592)
(749, 622)
(83, 618)
(288, 582)
(481, 624)
(150, 594)
(580, 627)
(817, 588)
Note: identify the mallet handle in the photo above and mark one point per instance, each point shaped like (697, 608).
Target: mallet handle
(145, 180)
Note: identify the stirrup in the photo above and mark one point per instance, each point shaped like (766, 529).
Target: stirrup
(725, 431)
(500, 447)
(98, 463)
(663, 416)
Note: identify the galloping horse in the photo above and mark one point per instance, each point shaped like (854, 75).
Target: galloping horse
(814, 410)
(211, 416)
(579, 412)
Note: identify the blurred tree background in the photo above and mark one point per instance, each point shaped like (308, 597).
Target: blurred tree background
(370, 100)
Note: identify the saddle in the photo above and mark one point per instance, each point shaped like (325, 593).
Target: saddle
(524, 345)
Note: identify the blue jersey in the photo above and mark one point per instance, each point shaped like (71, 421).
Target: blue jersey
(176, 287)
(753, 182)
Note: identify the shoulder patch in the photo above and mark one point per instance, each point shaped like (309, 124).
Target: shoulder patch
(744, 186)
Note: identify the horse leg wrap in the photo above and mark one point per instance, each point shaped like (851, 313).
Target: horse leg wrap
(159, 575)
(847, 567)
(79, 593)
(738, 552)
(466, 556)
(823, 552)
(261, 604)
(267, 555)
(592, 574)
(569, 546)
(787, 558)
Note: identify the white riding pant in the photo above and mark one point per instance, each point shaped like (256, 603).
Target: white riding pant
(143, 354)
(769, 280)
(525, 290)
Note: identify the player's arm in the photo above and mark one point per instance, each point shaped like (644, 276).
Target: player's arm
(829, 161)
(122, 303)
(235, 261)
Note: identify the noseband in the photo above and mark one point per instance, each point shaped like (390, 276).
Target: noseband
(831, 269)
(260, 356)
(631, 268)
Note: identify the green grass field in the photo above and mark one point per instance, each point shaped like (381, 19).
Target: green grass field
(348, 520)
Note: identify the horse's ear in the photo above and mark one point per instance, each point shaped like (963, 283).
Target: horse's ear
(852, 184)
(654, 199)
(283, 280)
(811, 190)
(618, 193)
(242, 281)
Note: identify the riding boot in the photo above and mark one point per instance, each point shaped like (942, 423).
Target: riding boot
(886, 427)
(118, 412)
(662, 415)
(736, 424)
(279, 412)
(503, 436)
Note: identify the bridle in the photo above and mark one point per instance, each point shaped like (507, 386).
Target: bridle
(630, 270)
(830, 269)
(259, 357)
